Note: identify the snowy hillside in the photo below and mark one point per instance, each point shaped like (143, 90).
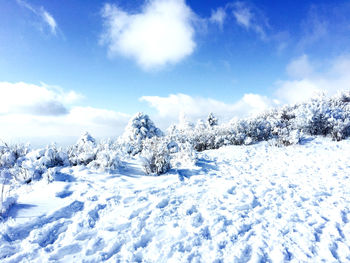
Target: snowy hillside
(270, 188)
(256, 203)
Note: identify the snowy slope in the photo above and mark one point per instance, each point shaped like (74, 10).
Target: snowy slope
(256, 203)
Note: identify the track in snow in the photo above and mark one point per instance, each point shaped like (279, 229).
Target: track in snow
(244, 204)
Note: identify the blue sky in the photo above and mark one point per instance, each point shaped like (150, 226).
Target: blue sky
(100, 62)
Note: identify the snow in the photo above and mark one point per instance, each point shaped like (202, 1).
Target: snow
(257, 203)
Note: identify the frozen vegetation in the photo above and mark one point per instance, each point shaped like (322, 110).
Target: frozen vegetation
(270, 188)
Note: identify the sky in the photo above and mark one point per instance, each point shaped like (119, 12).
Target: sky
(67, 67)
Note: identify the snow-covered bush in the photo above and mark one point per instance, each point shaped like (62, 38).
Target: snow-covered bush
(107, 157)
(6, 198)
(50, 156)
(37, 162)
(6, 201)
(185, 157)
(284, 126)
(139, 128)
(9, 155)
(156, 156)
(105, 161)
(84, 151)
(212, 120)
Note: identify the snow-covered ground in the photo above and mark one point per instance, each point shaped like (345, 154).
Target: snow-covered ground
(255, 203)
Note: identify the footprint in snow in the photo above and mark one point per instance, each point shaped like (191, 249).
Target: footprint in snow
(136, 212)
(344, 217)
(231, 191)
(143, 241)
(128, 200)
(22, 231)
(163, 203)
(93, 215)
(197, 220)
(64, 194)
(50, 235)
(67, 250)
(246, 255)
(192, 210)
(116, 247)
(334, 250)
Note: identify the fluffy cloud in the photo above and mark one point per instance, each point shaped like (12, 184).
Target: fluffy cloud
(309, 78)
(28, 110)
(162, 33)
(46, 18)
(170, 108)
(31, 99)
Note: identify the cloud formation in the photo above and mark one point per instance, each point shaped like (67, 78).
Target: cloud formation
(48, 18)
(28, 110)
(249, 18)
(29, 99)
(162, 33)
(41, 13)
(308, 78)
(218, 16)
(300, 67)
(326, 27)
(170, 108)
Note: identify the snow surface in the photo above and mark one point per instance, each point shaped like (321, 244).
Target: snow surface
(257, 203)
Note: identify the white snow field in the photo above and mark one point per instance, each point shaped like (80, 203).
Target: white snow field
(257, 203)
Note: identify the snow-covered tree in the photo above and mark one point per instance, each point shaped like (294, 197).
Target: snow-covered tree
(84, 151)
(139, 128)
(107, 157)
(156, 156)
(212, 120)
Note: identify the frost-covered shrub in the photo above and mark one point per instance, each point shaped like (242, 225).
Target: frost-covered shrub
(212, 120)
(287, 137)
(185, 157)
(155, 156)
(324, 116)
(341, 130)
(9, 155)
(50, 174)
(107, 157)
(105, 161)
(284, 126)
(6, 199)
(24, 175)
(184, 124)
(49, 157)
(37, 162)
(139, 128)
(84, 151)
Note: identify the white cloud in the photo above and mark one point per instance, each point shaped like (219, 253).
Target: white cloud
(162, 33)
(32, 99)
(48, 18)
(248, 19)
(170, 108)
(28, 110)
(308, 79)
(43, 14)
(325, 27)
(243, 15)
(218, 16)
(300, 67)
